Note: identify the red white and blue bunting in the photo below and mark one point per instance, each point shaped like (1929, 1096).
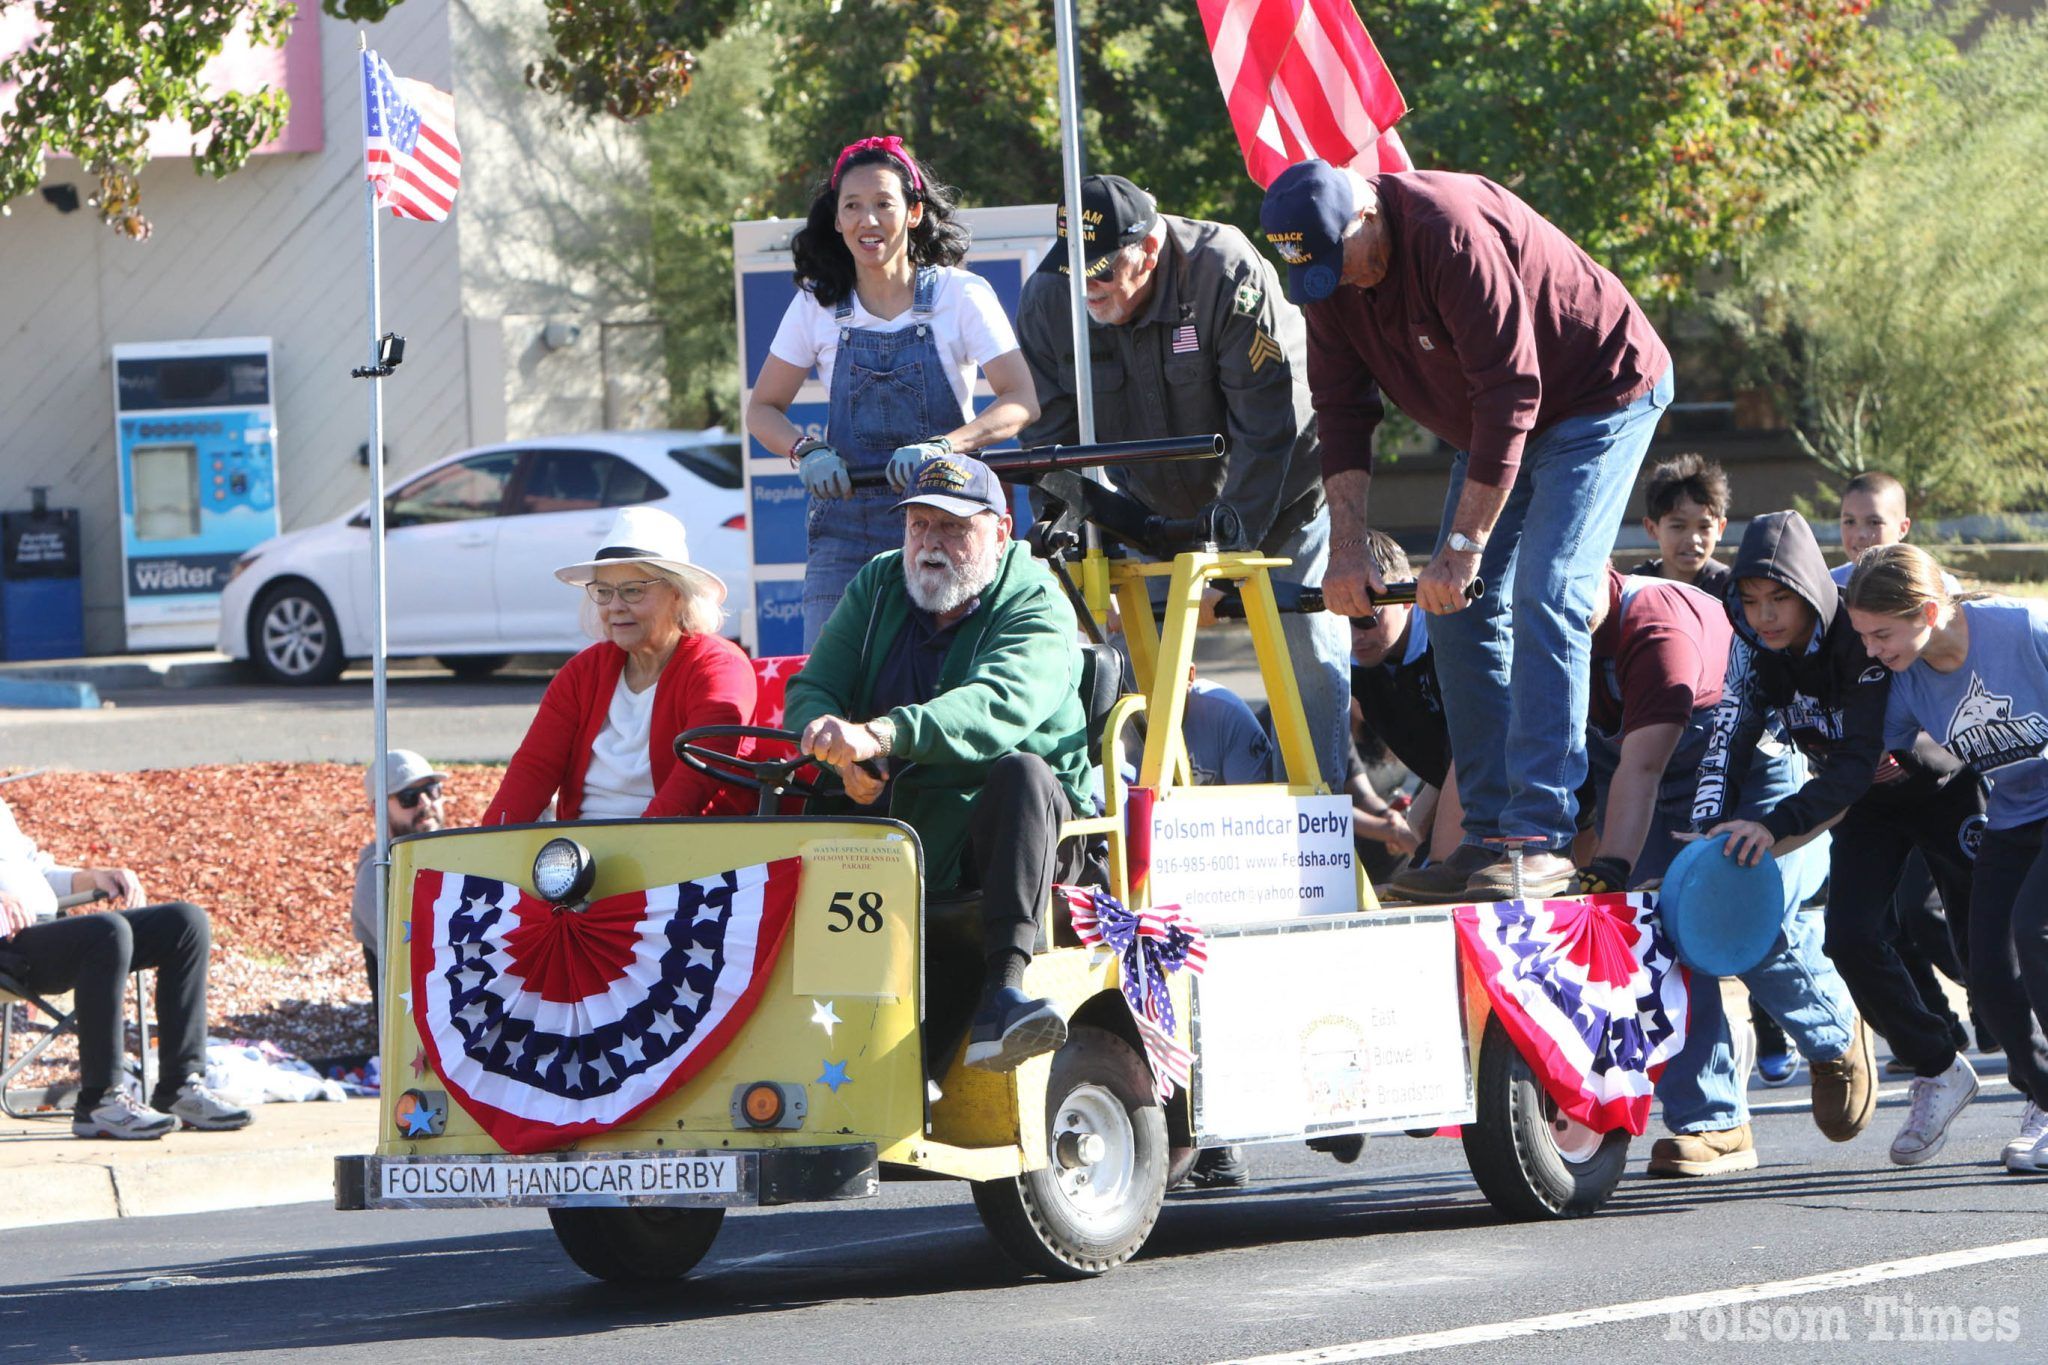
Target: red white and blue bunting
(1149, 944)
(1591, 994)
(550, 1025)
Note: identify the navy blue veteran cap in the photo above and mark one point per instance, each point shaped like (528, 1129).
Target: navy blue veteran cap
(1307, 207)
(957, 484)
(1114, 214)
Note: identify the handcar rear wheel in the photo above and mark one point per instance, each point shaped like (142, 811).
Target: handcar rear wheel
(1094, 1204)
(1532, 1162)
(636, 1244)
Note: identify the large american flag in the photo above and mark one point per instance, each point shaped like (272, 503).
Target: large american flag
(409, 147)
(1303, 80)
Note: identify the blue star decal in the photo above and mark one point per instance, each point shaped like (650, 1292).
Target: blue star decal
(420, 1122)
(834, 1076)
(406, 925)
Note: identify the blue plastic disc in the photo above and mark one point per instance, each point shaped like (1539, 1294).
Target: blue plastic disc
(1722, 917)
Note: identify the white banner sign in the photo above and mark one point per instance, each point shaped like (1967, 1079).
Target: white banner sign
(1353, 1027)
(1241, 859)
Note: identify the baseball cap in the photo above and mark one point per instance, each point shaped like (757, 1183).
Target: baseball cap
(1114, 214)
(1306, 209)
(956, 484)
(402, 768)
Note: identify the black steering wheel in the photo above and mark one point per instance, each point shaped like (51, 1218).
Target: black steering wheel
(773, 778)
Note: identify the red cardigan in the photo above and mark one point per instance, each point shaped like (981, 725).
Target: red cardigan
(708, 681)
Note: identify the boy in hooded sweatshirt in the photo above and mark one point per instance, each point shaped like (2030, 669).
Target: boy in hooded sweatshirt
(1797, 658)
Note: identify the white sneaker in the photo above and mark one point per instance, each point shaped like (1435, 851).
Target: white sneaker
(1936, 1100)
(198, 1107)
(2029, 1150)
(121, 1115)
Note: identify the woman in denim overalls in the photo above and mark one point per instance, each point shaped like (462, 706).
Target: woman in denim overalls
(880, 242)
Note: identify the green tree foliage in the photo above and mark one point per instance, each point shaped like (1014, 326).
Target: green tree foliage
(1906, 304)
(103, 71)
(970, 87)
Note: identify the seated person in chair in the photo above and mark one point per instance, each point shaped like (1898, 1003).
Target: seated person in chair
(46, 951)
(953, 663)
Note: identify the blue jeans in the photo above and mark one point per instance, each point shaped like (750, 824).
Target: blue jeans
(1514, 665)
(1795, 983)
(1319, 647)
(841, 536)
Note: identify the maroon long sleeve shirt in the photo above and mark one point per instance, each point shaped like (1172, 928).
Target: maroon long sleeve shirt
(1489, 326)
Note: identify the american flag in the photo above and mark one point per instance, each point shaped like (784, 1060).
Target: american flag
(1303, 80)
(1184, 339)
(409, 147)
(1150, 944)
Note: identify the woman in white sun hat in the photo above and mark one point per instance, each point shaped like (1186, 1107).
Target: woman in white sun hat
(602, 743)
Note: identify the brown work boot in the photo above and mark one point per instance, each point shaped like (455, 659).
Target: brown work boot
(1845, 1087)
(1714, 1153)
(1544, 873)
(1444, 881)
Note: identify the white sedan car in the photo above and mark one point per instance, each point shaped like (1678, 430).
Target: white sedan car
(470, 549)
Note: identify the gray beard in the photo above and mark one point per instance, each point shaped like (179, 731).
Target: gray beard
(941, 591)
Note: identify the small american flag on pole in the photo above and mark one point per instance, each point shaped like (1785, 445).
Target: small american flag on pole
(409, 146)
(1303, 79)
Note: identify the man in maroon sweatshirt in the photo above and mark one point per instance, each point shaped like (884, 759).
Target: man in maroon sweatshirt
(1480, 320)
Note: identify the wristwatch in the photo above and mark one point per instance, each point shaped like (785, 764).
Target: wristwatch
(884, 731)
(1464, 544)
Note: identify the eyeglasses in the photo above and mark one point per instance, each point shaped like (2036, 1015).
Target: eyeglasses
(629, 593)
(411, 797)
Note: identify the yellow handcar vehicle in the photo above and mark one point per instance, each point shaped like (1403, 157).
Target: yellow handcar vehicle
(637, 1024)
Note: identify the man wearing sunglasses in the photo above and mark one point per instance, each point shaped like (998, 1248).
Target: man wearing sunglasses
(413, 807)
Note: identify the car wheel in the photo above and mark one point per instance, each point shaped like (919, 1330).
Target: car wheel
(1533, 1163)
(293, 636)
(473, 665)
(636, 1244)
(1094, 1205)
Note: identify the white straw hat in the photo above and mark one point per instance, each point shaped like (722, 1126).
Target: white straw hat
(646, 535)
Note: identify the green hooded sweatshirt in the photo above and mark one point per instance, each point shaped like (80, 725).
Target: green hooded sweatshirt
(1011, 683)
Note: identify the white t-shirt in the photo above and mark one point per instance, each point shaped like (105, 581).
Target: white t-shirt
(27, 873)
(967, 320)
(620, 781)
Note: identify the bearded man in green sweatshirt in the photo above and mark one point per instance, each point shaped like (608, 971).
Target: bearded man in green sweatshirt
(954, 664)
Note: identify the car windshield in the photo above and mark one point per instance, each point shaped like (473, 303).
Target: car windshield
(718, 465)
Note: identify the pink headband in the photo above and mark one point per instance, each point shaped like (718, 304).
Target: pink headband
(892, 145)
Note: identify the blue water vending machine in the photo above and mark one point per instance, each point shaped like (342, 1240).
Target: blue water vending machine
(1008, 244)
(196, 435)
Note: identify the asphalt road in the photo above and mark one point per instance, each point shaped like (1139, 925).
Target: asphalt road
(1348, 1262)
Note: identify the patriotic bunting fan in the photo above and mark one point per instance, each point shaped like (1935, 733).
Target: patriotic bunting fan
(1591, 994)
(550, 1025)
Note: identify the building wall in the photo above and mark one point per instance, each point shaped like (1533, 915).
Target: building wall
(278, 250)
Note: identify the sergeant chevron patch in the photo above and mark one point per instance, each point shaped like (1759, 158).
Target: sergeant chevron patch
(1263, 349)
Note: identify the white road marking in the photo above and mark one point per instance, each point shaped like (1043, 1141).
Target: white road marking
(1986, 1084)
(821, 1249)
(1655, 1308)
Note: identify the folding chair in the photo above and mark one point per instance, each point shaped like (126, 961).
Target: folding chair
(13, 993)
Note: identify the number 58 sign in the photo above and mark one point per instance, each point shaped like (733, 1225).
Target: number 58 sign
(856, 919)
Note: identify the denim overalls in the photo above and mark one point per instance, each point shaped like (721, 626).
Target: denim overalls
(889, 389)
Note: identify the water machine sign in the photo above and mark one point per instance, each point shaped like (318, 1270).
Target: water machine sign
(196, 431)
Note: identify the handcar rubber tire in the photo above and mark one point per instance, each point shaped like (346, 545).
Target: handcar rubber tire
(636, 1244)
(293, 636)
(471, 666)
(1514, 1150)
(1055, 1221)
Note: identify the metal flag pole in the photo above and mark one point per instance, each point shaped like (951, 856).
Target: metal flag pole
(1077, 289)
(375, 374)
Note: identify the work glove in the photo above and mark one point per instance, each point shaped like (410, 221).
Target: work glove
(1603, 875)
(824, 474)
(903, 464)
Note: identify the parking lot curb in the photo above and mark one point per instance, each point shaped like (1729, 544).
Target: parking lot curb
(124, 672)
(39, 694)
